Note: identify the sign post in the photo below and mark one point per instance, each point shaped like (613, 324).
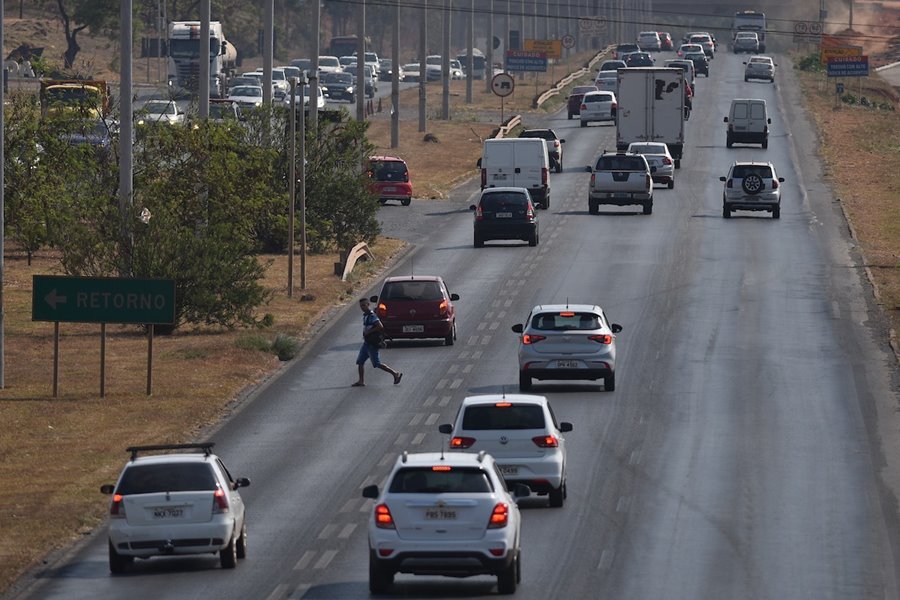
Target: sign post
(102, 300)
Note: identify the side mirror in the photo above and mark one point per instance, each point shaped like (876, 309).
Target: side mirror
(781, 179)
(445, 428)
(107, 488)
(744, 63)
(454, 297)
(370, 491)
(562, 141)
(373, 298)
(653, 169)
(769, 121)
(723, 179)
(517, 328)
(478, 163)
(241, 482)
(472, 207)
(565, 427)
(725, 120)
(615, 328)
(520, 490)
(589, 169)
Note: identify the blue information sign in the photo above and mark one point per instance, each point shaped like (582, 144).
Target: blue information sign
(526, 60)
(848, 66)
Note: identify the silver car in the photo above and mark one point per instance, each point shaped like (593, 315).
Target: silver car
(760, 67)
(567, 341)
(662, 165)
(752, 186)
(746, 41)
(598, 106)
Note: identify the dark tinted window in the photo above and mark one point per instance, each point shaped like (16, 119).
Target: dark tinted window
(390, 170)
(565, 321)
(513, 416)
(425, 480)
(173, 477)
(588, 98)
(741, 171)
(412, 290)
(620, 163)
(503, 201)
(544, 134)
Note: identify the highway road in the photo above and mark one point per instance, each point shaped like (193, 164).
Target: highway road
(748, 451)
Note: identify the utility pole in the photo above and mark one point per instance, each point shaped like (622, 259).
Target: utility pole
(470, 63)
(395, 79)
(423, 52)
(126, 126)
(361, 61)
(203, 59)
(445, 63)
(268, 51)
(314, 72)
(292, 181)
(2, 210)
(489, 51)
(303, 82)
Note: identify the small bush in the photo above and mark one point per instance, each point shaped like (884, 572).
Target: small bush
(849, 99)
(285, 347)
(811, 63)
(253, 341)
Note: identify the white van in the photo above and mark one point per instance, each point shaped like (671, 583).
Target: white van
(517, 162)
(748, 122)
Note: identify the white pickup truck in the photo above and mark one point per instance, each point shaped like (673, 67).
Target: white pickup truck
(620, 179)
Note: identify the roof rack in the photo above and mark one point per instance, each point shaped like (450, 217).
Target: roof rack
(135, 450)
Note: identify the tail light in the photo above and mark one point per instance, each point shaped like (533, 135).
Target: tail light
(220, 501)
(529, 212)
(667, 160)
(593, 179)
(461, 443)
(383, 518)
(499, 517)
(774, 184)
(605, 339)
(556, 143)
(583, 106)
(529, 338)
(479, 213)
(483, 178)
(729, 183)
(545, 175)
(117, 508)
(443, 306)
(382, 309)
(545, 441)
(649, 181)
(614, 106)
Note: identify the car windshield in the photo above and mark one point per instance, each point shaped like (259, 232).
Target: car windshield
(220, 111)
(505, 416)
(172, 477)
(758, 59)
(620, 163)
(412, 291)
(647, 148)
(741, 171)
(503, 201)
(304, 64)
(326, 61)
(544, 134)
(389, 170)
(253, 91)
(584, 89)
(160, 108)
(440, 479)
(411, 67)
(338, 78)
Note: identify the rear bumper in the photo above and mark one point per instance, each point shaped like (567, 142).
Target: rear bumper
(619, 198)
(592, 373)
(752, 137)
(505, 231)
(155, 540)
(455, 559)
(430, 329)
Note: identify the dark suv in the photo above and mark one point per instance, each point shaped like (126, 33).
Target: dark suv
(552, 141)
(623, 49)
(417, 307)
(505, 213)
(574, 99)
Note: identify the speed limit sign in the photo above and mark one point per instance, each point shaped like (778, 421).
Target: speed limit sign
(568, 41)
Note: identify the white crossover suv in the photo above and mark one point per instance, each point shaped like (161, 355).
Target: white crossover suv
(752, 186)
(444, 514)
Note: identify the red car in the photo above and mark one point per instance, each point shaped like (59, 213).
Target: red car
(578, 92)
(417, 307)
(390, 179)
(665, 41)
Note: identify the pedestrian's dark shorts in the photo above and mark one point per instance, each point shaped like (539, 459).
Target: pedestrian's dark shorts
(367, 351)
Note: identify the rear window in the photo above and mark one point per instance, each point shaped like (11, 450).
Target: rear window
(412, 290)
(598, 98)
(647, 148)
(511, 416)
(452, 480)
(620, 163)
(389, 170)
(741, 171)
(172, 477)
(565, 321)
(740, 110)
(758, 111)
(503, 201)
(544, 135)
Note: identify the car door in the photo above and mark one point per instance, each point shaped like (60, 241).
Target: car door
(758, 118)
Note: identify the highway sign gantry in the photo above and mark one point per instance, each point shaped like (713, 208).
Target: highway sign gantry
(102, 300)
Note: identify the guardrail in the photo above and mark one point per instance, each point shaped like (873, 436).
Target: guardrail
(562, 83)
(507, 126)
(349, 259)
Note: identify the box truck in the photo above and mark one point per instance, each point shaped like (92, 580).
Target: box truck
(651, 108)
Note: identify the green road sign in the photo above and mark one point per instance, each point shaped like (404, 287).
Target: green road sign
(102, 299)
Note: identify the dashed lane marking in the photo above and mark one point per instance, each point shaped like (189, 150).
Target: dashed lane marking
(432, 418)
(417, 418)
(305, 560)
(430, 400)
(401, 439)
(444, 401)
(456, 383)
(606, 560)
(467, 368)
(417, 439)
(327, 531)
(442, 384)
(325, 559)
(347, 531)
(349, 504)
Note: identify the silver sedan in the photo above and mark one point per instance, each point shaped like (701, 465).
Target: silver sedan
(662, 165)
(567, 341)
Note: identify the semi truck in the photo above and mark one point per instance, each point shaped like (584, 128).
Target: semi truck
(651, 108)
(184, 55)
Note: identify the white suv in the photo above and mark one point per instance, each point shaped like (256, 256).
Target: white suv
(183, 503)
(521, 433)
(752, 186)
(445, 514)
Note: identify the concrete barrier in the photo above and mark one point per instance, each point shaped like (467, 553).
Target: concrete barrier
(349, 259)
(562, 83)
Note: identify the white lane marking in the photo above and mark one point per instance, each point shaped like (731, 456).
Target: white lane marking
(481, 326)
(279, 593)
(417, 418)
(489, 314)
(501, 314)
(417, 439)
(369, 480)
(473, 339)
(387, 459)
(508, 302)
(635, 457)
(429, 400)
(468, 368)
(464, 354)
(349, 504)
(456, 383)
(441, 384)
(325, 559)
(401, 439)
(606, 559)
(477, 354)
(347, 531)
(494, 325)
(496, 303)
(300, 591)
(485, 340)
(365, 508)
(432, 418)
(452, 369)
(623, 504)
(305, 560)
(327, 531)
(444, 401)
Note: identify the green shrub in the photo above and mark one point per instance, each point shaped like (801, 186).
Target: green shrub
(253, 341)
(810, 62)
(285, 347)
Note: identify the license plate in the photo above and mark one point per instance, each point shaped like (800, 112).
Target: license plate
(413, 328)
(390, 189)
(506, 470)
(168, 513)
(504, 215)
(439, 514)
(567, 364)
(501, 176)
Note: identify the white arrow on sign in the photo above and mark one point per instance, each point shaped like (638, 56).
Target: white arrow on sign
(52, 299)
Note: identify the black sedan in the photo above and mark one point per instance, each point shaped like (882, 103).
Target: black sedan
(701, 63)
(339, 85)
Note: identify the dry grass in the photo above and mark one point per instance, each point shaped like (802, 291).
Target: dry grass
(861, 148)
(55, 452)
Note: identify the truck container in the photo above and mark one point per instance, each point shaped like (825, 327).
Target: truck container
(184, 54)
(651, 108)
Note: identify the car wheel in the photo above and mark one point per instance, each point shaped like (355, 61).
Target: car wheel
(382, 201)
(507, 578)
(228, 555)
(559, 166)
(609, 383)
(671, 184)
(117, 562)
(746, 78)
(451, 337)
(242, 542)
(776, 212)
(584, 123)
(380, 579)
(765, 144)
(728, 142)
(726, 212)
(570, 116)
(677, 163)
(533, 239)
(546, 203)
(524, 382)
(648, 208)
(558, 496)
(406, 201)
(478, 242)
(593, 208)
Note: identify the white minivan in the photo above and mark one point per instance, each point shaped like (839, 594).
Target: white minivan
(748, 122)
(517, 162)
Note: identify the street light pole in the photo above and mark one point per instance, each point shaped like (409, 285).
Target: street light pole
(395, 79)
(423, 52)
(292, 185)
(203, 59)
(445, 64)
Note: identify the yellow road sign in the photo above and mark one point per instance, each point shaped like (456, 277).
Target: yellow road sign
(552, 48)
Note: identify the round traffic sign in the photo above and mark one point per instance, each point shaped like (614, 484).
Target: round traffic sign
(503, 84)
(815, 28)
(568, 41)
(801, 27)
